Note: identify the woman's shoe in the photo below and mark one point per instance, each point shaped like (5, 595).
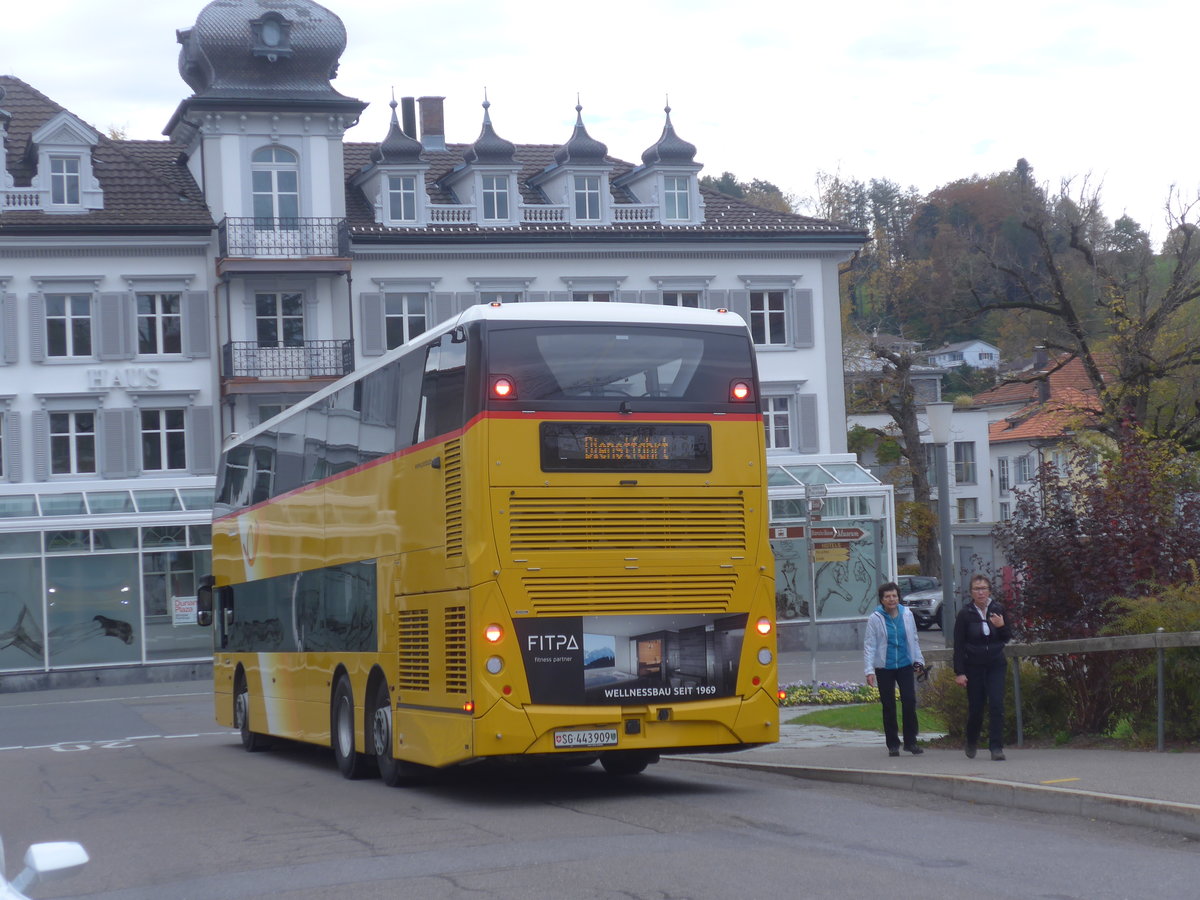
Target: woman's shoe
(970, 751)
(998, 755)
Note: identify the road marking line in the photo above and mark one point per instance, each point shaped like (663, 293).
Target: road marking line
(106, 700)
(115, 743)
(1058, 780)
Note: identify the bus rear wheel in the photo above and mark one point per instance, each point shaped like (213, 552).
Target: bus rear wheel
(394, 772)
(252, 741)
(626, 762)
(350, 762)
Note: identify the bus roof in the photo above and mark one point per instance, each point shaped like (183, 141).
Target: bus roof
(565, 312)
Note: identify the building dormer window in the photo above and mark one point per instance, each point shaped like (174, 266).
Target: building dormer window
(272, 36)
(587, 198)
(677, 194)
(495, 198)
(64, 180)
(402, 198)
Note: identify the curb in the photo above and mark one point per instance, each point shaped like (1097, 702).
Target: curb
(1162, 815)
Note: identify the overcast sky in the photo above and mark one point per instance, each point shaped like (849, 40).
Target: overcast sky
(921, 92)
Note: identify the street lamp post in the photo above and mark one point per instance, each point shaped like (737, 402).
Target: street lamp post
(938, 416)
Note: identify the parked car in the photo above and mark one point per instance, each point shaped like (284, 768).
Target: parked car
(42, 863)
(923, 595)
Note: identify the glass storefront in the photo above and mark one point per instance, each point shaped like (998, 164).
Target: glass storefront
(123, 594)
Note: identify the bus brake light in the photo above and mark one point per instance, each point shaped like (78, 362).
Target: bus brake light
(503, 388)
(740, 391)
(493, 633)
(763, 625)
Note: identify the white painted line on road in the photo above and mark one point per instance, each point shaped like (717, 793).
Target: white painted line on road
(116, 743)
(106, 700)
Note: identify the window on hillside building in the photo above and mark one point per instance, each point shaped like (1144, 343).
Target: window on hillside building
(777, 420)
(72, 443)
(404, 317)
(64, 180)
(1002, 482)
(968, 509)
(279, 319)
(1024, 473)
(768, 317)
(159, 324)
(402, 198)
(964, 462)
(495, 197)
(587, 197)
(68, 325)
(676, 197)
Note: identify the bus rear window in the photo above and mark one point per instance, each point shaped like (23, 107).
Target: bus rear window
(594, 366)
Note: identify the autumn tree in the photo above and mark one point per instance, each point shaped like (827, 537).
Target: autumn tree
(756, 191)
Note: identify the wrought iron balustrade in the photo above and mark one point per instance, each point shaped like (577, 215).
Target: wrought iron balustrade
(255, 237)
(311, 359)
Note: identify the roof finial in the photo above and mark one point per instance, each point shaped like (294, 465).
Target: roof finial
(393, 104)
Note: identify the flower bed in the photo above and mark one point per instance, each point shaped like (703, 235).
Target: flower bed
(826, 693)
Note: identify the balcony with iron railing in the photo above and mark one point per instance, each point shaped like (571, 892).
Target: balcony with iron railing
(250, 237)
(276, 362)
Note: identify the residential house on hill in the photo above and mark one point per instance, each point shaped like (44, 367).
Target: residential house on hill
(974, 353)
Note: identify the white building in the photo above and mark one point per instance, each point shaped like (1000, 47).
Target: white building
(158, 295)
(974, 353)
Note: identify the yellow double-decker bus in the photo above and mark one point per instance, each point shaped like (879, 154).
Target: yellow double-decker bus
(536, 529)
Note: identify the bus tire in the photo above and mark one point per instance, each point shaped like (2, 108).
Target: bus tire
(350, 762)
(394, 772)
(626, 762)
(252, 741)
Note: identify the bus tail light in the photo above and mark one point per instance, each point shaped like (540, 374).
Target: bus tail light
(763, 625)
(469, 706)
(503, 388)
(741, 391)
(493, 633)
(781, 695)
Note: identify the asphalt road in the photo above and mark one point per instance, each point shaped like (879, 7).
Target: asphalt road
(170, 806)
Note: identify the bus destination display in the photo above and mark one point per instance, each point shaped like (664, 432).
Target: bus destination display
(606, 447)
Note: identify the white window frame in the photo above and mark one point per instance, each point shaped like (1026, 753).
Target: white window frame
(397, 307)
(965, 471)
(1024, 469)
(66, 180)
(1005, 511)
(963, 507)
(587, 196)
(1003, 485)
(74, 437)
(495, 198)
(592, 296)
(66, 320)
(779, 413)
(762, 320)
(405, 194)
(679, 298)
(279, 317)
(161, 434)
(677, 198)
(283, 160)
(157, 320)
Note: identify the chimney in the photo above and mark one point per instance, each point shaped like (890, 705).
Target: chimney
(1040, 358)
(408, 116)
(433, 124)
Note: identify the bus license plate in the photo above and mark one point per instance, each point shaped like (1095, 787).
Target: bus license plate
(585, 737)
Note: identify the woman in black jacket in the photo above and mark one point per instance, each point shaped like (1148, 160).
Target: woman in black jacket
(980, 633)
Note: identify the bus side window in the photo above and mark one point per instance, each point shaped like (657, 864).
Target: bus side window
(409, 399)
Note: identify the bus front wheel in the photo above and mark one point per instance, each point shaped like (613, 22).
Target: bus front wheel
(252, 741)
(350, 762)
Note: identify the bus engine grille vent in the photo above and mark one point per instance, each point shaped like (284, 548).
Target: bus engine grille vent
(456, 649)
(600, 595)
(414, 650)
(452, 466)
(634, 523)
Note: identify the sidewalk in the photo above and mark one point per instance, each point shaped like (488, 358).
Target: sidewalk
(1141, 788)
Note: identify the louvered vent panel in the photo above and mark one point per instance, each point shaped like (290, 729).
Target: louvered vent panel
(414, 650)
(582, 595)
(452, 466)
(456, 649)
(627, 524)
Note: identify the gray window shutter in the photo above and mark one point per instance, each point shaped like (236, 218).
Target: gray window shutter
(202, 441)
(560, 296)
(464, 300)
(37, 328)
(12, 446)
(716, 299)
(538, 296)
(802, 318)
(628, 296)
(197, 342)
(41, 445)
(652, 297)
(807, 424)
(739, 302)
(114, 326)
(9, 327)
(370, 308)
(443, 307)
(119, 444)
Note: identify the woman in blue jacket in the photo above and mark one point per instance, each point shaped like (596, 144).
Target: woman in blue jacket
(890, 652)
